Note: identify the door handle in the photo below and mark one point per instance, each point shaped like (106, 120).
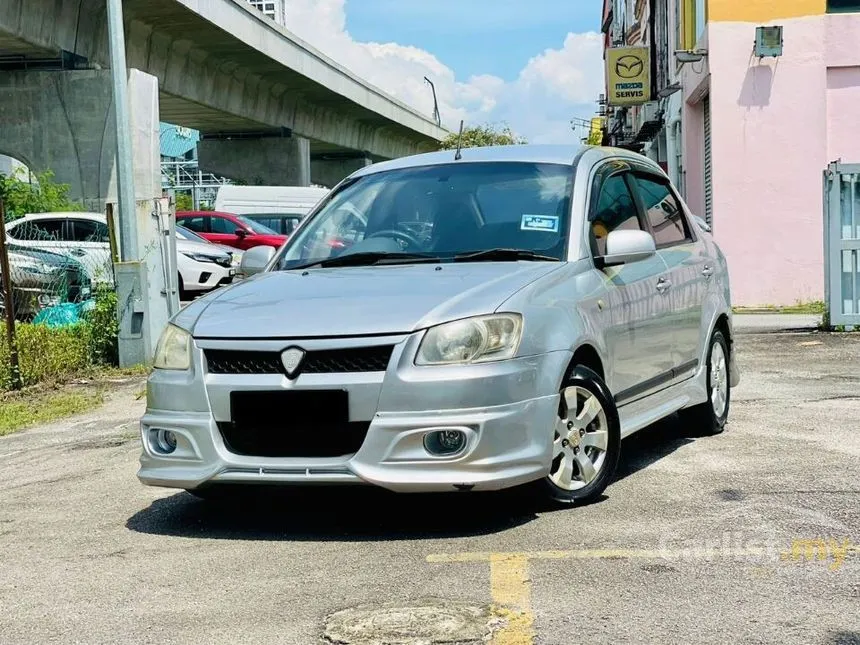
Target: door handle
(707, 271)
(663, 285)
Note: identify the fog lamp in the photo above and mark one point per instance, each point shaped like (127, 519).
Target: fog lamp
(164, 441)
(444, 442)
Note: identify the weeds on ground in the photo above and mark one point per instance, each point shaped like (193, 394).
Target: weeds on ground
(19, 410)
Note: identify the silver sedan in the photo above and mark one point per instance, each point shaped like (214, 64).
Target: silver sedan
(505, 317)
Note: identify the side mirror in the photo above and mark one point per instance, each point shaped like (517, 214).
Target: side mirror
(624, 247)
(241, 233)
(702, 224)
(256, 260)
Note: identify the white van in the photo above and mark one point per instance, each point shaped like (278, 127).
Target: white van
(280, 208)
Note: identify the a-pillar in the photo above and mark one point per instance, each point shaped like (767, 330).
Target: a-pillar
(63, 121)
(257, 160)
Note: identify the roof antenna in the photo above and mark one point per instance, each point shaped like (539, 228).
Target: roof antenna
(459, 155)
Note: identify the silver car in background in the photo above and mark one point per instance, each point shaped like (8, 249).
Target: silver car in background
(442, 323)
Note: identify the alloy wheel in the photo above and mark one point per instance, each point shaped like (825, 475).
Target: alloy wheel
(581, 439)
(719, 380)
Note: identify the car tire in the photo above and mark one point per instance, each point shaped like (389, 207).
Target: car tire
(587, 444)
(709, 418)
(183, 294)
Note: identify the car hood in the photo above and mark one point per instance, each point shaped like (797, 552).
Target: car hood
(358, 301)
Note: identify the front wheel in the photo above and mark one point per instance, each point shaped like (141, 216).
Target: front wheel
(709, 418)
(587, 440)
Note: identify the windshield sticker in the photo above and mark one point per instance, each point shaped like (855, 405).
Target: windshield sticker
(545, 223)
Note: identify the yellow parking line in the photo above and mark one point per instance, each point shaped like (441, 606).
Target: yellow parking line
(591, 554)
(510, 587)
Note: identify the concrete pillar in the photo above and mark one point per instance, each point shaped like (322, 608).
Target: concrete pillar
(63, 121)
(263, 161)
(329, 172)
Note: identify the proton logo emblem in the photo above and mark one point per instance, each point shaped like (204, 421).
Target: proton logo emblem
(292, 358)
(629, 66)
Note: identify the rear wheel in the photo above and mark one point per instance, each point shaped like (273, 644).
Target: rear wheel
(709, 418)
(586, 441)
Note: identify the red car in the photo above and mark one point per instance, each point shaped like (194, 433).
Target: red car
(230, 229)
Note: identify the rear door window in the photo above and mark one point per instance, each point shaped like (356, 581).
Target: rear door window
(196, 224)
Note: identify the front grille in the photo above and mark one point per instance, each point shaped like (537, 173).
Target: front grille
(313, 423)
(329, 361)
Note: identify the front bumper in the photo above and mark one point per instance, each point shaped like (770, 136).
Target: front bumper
(507, 411)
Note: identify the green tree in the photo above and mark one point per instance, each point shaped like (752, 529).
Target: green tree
(184, 202)
(24, 193)
(482, 135)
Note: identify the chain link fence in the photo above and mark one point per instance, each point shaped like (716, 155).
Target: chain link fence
(57, 277)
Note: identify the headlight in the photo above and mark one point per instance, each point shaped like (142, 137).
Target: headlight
(199, 257)
(174, 349)
(472, 340)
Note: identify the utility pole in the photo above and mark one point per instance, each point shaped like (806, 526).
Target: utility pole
(128, 251)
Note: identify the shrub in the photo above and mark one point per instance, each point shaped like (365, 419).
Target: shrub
(45, 353)
(104, 328)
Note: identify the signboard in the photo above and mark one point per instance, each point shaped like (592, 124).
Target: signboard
(595, 133)
(628, 75)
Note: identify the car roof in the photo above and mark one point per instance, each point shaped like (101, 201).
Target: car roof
(78, 214)
(564, 154)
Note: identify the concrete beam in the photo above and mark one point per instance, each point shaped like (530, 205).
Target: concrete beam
(270, 161)
(228, 59)
(330, 172)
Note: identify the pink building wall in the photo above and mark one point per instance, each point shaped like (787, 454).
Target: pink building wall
(775, 124)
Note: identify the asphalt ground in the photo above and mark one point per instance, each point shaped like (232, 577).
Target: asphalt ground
(747, 537)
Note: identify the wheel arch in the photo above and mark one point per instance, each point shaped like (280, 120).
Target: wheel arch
(588, 356)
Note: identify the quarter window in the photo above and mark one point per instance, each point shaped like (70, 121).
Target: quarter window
(43, 230)
(664, 212)
(615, 211)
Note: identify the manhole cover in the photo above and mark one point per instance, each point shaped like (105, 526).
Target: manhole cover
(426, 622)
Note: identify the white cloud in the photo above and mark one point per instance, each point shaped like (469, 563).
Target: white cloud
(553, 87)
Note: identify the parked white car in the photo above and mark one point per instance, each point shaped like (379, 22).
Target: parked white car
(202, 266)
(80, 236)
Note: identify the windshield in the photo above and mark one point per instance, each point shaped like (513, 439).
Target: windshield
(189, 235)
(257, 227)
(442, 212)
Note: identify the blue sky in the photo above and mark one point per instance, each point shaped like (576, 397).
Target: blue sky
(530, 64)
(474, 36)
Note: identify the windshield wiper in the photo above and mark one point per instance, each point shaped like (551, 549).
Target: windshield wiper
(502, 255)
(370, 258)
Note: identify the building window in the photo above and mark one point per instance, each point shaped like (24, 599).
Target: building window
(694, 17)
(843, 6)
(271, 8)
